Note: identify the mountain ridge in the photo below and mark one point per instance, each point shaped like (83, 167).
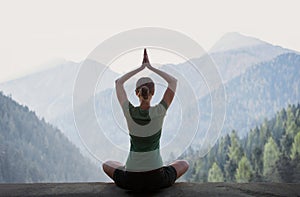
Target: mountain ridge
(32, 150)
(234, 41)
(52, 98)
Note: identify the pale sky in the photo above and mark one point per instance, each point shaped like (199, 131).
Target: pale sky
(39, 33)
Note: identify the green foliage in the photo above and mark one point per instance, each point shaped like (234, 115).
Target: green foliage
(257, 162)
(223, 151)
(33, 151)
(271, 156)
(234, 155)
(244, 171)
(295, 164)
(284, 170)
(215, 174)
(235, 151)
(296, 146)
(269, 152)
(254, 95)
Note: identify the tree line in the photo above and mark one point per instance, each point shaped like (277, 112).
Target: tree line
(268, 153)
(32, 150)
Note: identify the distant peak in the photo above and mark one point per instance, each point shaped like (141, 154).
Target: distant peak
(235, 40)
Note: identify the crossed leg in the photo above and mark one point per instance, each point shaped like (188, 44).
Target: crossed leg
(181, 167)
(109, 167)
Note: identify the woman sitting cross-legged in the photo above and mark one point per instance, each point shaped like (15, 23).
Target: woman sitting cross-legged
(144, 169)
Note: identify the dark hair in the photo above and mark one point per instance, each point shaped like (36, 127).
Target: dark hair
(144, 91)
(149, 86)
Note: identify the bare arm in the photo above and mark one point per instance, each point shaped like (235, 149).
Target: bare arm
(172, 82)
(121, 94)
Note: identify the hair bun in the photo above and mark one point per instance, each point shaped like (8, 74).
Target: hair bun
(144, 92)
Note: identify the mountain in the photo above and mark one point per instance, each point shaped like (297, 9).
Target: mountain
(233, 41)
(231, 56)
(262, 90)
(257, 94)
(252, 96)
(234, 53)
(32, 150)
(49, 93)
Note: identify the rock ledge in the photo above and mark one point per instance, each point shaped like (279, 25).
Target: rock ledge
(179, 189)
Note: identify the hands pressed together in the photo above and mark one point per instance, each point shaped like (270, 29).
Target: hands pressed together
(146, 62)
(169, 93)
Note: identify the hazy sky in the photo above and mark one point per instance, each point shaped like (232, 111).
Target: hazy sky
(34, 33)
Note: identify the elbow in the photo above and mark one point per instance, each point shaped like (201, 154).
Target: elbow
(117, 81)
(173, 84)
(173, 81)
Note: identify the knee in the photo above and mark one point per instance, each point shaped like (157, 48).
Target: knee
(106, 165)
(184, 163)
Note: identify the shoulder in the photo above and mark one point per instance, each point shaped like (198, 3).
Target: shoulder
(127, 106)
(164, 104)
(160, 109)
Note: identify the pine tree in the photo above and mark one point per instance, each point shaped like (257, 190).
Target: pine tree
(244, 171)
(291, 128)
(296, 146)
(257, 159)
(215, 174)
(235, 153)
(260, 150)
(279, 129)
(264, 133)
(296, 169)
(284, 169)
(286, 142)
(270, 157)
(223, 150)
(27, 151)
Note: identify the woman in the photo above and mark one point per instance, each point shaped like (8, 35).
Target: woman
(144, 168)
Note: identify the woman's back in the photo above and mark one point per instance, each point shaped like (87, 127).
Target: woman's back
(145, 127)
(144, 167)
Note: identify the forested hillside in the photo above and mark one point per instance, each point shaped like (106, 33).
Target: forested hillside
(269, 152)
(258, 93)
(32, 150)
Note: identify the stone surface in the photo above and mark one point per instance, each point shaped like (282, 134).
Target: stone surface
(179, 189)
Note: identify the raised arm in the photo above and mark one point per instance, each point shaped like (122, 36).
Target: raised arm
(172, 82)
(121, 94)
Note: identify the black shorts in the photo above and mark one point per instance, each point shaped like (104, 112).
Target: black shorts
(148, 180)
